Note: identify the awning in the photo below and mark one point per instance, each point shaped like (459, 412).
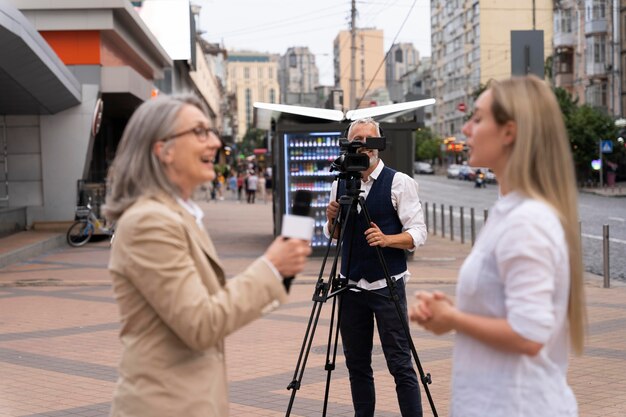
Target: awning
(33, 79)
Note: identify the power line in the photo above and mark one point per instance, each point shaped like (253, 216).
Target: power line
(387, 54)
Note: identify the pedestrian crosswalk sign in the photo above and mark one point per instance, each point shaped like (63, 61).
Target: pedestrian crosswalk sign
(606, 146)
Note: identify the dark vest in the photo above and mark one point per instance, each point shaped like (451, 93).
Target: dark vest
(364, 261)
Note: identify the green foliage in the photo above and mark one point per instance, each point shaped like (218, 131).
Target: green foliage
(427, 145)
(254, 138)
(586, 127)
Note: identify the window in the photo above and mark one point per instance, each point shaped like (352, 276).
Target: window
(399, 55)
(272, 95)
(293, 61)
(595, 95)
(599, 49)
(248, 107)
(246, 72)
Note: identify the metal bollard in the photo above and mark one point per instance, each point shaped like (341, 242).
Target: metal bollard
(473, 225)
(485, 215)
(605, 253)
(443, 222)
(462, 226)
(434, 219)
(451, 225)
(426, 214)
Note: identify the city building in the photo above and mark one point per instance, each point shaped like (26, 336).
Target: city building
(298, 77)
(402, 59)
(587, 52)
(471, 45)
(73, 73)
(251, 76)
(369, 74)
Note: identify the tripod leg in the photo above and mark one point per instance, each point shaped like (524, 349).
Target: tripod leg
(319, 297)
(425, 378)
(333, 339)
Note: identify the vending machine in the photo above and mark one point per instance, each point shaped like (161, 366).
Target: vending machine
(303, 159)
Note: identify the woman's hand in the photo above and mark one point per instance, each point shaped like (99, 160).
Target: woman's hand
(433, 311)
(288, 255)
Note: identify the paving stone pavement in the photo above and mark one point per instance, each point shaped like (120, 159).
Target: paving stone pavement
(59, 346)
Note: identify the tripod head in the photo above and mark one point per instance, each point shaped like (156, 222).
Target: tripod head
(352, 179)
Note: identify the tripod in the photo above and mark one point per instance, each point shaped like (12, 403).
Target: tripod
(334, 287)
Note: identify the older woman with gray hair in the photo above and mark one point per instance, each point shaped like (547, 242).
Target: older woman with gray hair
(175, 304)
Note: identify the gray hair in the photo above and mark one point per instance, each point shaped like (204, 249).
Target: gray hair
(364, 121)
(136, 171)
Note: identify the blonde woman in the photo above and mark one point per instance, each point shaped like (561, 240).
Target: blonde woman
(519, 298)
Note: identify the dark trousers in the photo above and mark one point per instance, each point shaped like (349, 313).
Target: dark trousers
(358, 310)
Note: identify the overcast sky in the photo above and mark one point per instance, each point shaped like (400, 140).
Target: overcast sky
(275, 25)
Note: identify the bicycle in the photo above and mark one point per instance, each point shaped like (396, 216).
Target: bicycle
(81, 231)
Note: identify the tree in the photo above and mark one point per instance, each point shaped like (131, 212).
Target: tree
(427, 145)
(253, 139)
(586, 127)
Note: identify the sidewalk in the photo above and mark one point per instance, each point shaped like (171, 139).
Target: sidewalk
(618, 190)
(59, 346)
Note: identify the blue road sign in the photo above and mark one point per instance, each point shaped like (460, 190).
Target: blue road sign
(606, 146)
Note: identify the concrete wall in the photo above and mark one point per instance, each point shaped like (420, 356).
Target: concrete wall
(66, 144)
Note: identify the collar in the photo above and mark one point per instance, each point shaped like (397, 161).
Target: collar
(192, 208)
(379, 168)
(508, 202)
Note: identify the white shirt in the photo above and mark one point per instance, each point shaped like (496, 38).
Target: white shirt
(518, 270)
(405, 200)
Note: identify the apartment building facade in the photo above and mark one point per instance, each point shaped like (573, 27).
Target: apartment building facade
(369, 54)
(471, 45)
(588, 53)
(402, 59)
(298, 77)
(251, 77)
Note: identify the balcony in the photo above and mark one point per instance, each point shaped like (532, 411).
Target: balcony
(564, 80)
(562, 39)
(593, 69)
(596, 26)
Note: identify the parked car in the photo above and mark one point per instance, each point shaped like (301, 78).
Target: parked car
(453, 171)
(420, 167)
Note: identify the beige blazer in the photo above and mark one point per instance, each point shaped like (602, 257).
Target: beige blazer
(176, 309)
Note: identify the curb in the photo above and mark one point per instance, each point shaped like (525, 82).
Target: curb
(32, 250)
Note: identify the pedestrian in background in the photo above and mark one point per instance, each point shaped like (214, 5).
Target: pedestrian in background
(261, 186)
(175, 303)
(519, 297)
(252, 183)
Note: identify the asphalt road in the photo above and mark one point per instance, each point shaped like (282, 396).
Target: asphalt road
(594, 210)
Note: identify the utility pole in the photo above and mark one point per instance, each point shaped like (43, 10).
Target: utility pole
(353, 56)
(534, 27)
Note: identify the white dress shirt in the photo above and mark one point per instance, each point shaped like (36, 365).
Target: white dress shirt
(518, 270)
(405, 200)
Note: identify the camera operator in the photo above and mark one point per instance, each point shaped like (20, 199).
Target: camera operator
(397, 224)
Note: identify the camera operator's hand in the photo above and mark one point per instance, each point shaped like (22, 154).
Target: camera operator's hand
(332, 211)
(375, 237)
(288, 255)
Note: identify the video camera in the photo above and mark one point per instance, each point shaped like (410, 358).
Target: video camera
(350, 160)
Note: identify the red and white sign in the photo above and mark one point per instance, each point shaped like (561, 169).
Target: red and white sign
(461, 107)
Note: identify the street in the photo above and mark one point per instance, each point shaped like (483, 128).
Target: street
(594, 210)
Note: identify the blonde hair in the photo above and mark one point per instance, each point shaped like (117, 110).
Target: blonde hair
(541, 167)
(136, 171)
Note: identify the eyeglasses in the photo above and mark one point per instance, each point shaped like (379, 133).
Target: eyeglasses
(201, 133)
